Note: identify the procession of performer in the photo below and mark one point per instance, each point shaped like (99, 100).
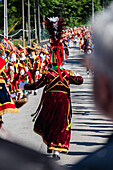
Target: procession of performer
(30, 68)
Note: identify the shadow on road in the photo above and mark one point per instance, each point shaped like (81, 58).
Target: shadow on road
(94, 119)
(74, 61)
(93, 130)
(86, 93)
(87, 143)
(91, 123)
(94, 125)
(100, 136)
(78, 153)
(75, 47)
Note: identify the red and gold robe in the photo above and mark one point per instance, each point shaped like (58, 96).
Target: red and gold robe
(54, 114)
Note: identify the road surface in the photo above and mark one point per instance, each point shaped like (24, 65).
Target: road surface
(89, 131)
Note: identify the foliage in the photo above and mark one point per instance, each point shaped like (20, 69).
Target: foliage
(75, 12)
(105, 3)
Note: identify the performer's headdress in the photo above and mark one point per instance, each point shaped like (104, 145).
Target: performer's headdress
(7, 51)
(9, 46)
(44, 51)
(36, 46)
(2, 52)
(11, 52)
(29, 49)
(55, 26)
(22, 49)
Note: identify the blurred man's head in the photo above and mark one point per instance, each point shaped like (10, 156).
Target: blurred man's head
(103, 61)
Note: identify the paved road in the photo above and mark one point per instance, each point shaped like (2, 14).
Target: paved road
(89, 129)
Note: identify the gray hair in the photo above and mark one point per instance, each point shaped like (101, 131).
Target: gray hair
(103, 42)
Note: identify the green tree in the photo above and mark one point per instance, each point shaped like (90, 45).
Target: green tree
(84, 11)
(75, 12)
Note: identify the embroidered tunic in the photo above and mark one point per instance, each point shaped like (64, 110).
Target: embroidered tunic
(53, 116)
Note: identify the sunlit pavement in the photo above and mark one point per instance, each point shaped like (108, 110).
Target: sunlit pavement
(89, 131)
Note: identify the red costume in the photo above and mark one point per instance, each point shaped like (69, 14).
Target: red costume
(6, 102)
(54, 119)
(12, 73)
(53, 116)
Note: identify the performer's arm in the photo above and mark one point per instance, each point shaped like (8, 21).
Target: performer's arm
(40, 83)
(75, 79)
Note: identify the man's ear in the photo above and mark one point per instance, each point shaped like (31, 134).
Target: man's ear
(103, 93)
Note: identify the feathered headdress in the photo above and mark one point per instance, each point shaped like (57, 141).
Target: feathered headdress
(55, 27)
(8, 45)
(22, 49)
(36, 46)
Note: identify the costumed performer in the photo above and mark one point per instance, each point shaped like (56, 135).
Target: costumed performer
(54, 114)
(34, 64)
(6, 102)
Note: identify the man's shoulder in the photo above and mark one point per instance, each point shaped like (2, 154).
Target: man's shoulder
(101, 159)
(19, 157)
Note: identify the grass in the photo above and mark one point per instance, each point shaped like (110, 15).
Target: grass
(19, 41)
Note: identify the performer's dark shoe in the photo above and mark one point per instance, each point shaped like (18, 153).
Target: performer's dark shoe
(21, 102)
(49, 151)
(30, 92)
(56, 157)
(24, 96)
(35, 93)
